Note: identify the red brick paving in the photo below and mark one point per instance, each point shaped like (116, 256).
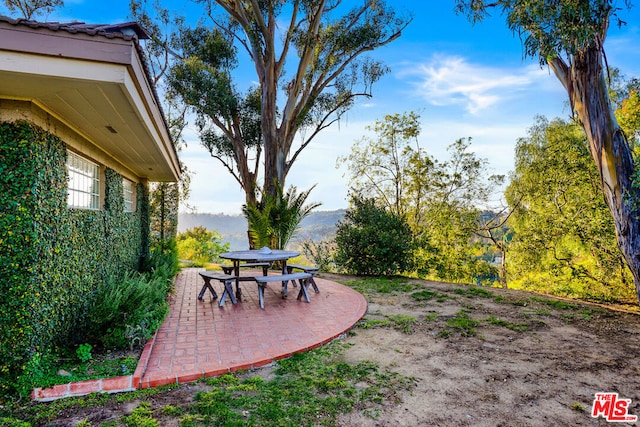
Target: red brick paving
(199, 339)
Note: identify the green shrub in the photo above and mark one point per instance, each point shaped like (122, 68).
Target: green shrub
(321, 253)
(200, 245)
(373, 241)
(127, 312)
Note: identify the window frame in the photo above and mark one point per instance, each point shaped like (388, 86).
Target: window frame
(84, 182)
(128, 195)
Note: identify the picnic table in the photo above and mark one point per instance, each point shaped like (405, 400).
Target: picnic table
(240, 258)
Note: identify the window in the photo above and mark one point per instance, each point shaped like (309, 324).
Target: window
(84, 182)
(127, 190)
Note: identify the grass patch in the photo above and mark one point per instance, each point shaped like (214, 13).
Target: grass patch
(461, 323)
(556, 303)
(374, 323)
(427, 295)
(430, 317)
(400, 322)
(403, 322)
(512, 326)
(142, 416)
(473, 292)
(381, 285)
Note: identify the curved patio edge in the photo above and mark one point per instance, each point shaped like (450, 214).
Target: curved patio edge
(199, 339)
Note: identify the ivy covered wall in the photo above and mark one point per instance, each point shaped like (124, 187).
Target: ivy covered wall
(52, 257)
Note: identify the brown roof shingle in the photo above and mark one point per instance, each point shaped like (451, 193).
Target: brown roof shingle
(126, 31)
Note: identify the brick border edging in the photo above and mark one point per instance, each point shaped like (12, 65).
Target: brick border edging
(104, 385)
(82, 388)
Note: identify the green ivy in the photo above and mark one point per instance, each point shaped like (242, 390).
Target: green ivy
(54, 257)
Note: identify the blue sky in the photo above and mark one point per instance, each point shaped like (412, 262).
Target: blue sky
(463, 80)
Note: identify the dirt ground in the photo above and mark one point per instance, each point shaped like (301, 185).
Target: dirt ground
(544, 371)
(526, 362)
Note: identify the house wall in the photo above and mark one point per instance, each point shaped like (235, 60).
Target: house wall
(52, 257)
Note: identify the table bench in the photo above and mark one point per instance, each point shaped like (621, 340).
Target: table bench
(228, 269)
(307, 269)
(227, 279)
(302, 278)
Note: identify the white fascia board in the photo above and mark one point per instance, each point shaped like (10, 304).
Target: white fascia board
(67, 68)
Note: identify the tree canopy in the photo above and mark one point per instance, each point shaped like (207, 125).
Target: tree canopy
(564, 237)
(310, 65)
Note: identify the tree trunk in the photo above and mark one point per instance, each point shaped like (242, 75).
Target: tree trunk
(589, 97)
(503, 266)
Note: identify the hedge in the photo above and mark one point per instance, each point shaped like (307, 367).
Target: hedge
(53, 257)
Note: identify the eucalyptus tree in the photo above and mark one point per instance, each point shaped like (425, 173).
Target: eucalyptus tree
(311, 64)
(569, 37)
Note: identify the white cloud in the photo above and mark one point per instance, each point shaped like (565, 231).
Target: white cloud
(446, 80)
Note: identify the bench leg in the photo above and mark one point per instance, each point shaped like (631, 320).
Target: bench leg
(289, 271)
(238, 290)
(207, 285)
(304, 284)
(261, 287)
(315, 287)
(228, 290)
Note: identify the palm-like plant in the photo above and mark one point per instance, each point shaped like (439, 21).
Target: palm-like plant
(274, 221)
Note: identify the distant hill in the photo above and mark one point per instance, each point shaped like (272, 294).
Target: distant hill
(318, 225)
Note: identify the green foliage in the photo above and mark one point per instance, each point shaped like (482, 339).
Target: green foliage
(373, 241)
(12, 422)
(53, 257)
(200, 245)
(449, 224)
(274, 221)
(382, 168)
(439, 199)
(142, 416)
(320, 253)
(84, 352)
(564, 241)
(162, 208)
(128, 311)
(43, 370)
